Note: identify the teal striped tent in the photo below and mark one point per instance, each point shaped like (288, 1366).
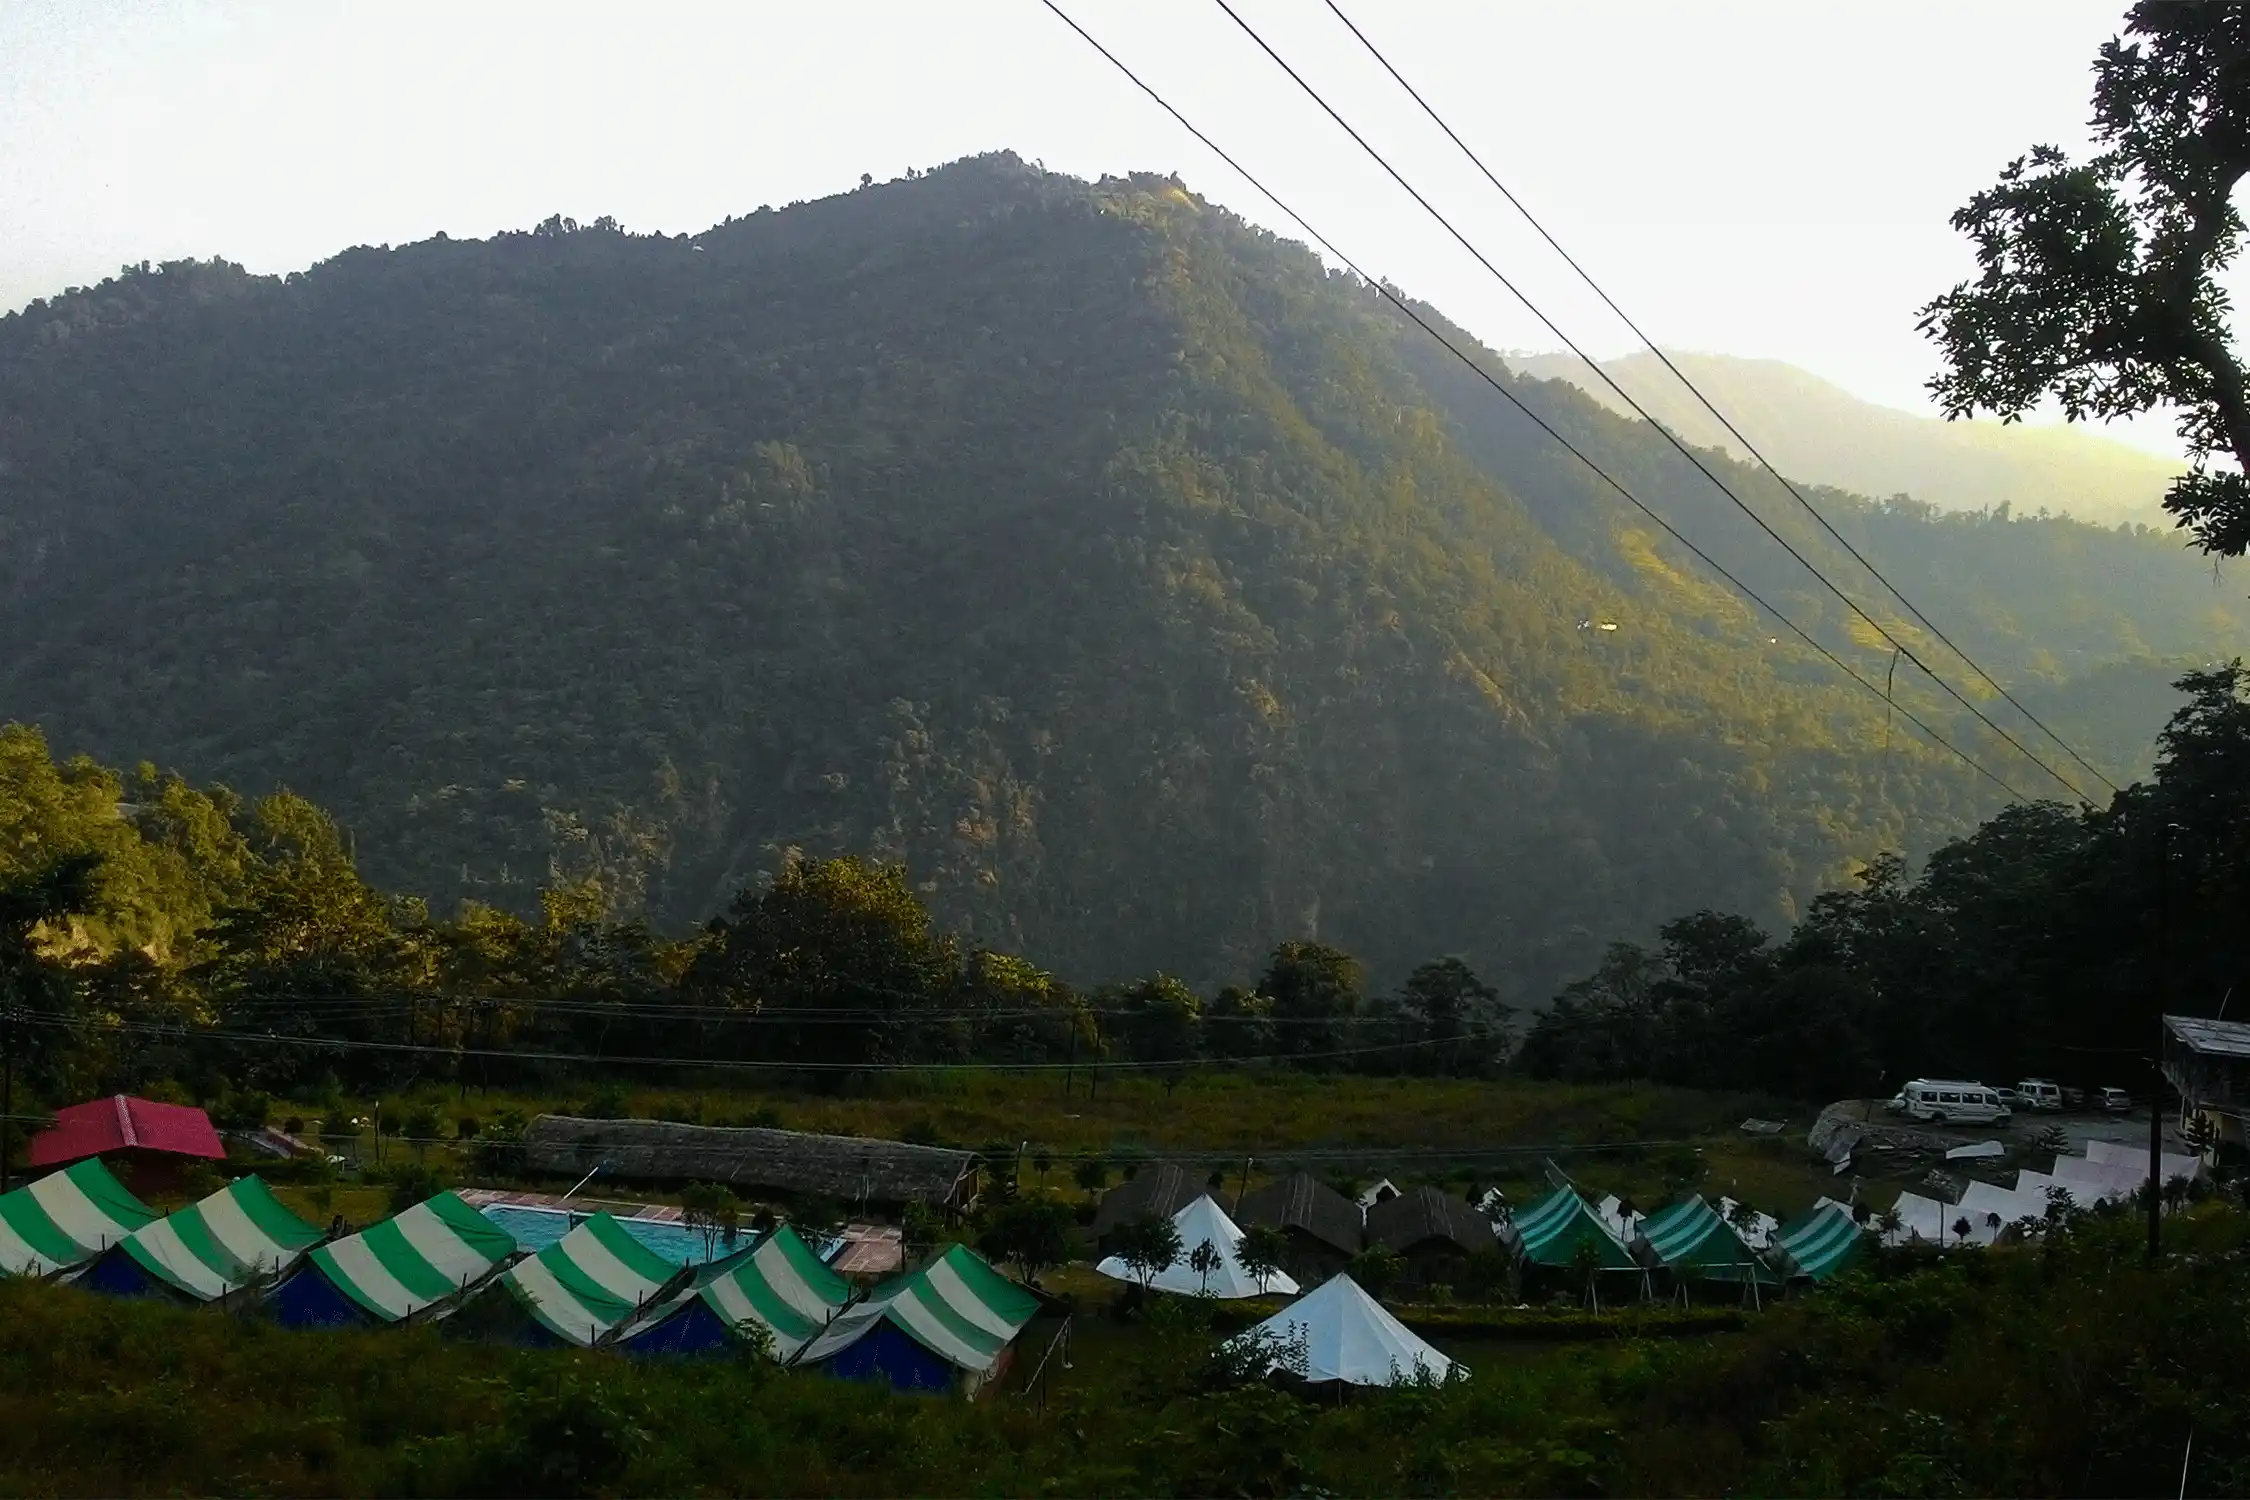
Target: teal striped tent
(65, 1219)
(591, 1284)
(208, 1250)
(401, 1268)
(1693, 1242)
(1551, 1232)
(779, 1285)
(945, 1327)
(1819, 1245)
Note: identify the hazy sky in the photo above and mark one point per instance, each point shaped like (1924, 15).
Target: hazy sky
(1753, 179)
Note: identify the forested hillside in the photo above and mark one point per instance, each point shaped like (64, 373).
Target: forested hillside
(1153, 593)
(1820, 433)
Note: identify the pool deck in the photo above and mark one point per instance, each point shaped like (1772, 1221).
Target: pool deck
(655, 1213)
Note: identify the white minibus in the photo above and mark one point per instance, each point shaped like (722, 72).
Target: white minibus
(1951, 1101)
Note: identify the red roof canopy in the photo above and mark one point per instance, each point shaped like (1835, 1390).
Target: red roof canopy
(122, 1123)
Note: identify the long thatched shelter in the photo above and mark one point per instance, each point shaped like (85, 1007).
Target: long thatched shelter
(851, 1169)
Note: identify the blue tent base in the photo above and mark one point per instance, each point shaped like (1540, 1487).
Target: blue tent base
(886, 1353)
(693, 1332)
(116, 1274)
(310, 1300)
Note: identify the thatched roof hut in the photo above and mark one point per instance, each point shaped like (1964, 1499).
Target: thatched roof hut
(848, 1168)
(1163, 1190)
(1431, 1229)
(1305, 1208)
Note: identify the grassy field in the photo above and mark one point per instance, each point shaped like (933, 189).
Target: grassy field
(1642, 1142)
(2070, 1367)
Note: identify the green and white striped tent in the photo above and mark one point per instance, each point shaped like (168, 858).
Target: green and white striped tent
(211, 1249)
(592, 1283)
(1551, 1232)
(1819, 1245)
(65, 1219)
(389, 1272)
(947, 1325)
(1693, 1242)
(780, 1286)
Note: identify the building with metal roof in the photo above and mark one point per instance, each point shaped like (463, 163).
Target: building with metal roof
(2207, 1062)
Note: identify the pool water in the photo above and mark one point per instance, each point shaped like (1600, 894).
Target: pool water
(537, 1228)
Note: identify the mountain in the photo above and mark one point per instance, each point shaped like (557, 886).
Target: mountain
(1153, 592)
(1820, 433)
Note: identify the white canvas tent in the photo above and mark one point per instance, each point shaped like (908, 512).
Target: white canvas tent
(2037, 1184)
(1920, 1218)
(1611, 1211)
(1348, 1336)
(2102, 1179)
(1982, 1201)
(1759, 1232)
(1204, 1222)
(2134, 1159)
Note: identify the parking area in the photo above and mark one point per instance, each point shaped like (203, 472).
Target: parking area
(2021, 1132)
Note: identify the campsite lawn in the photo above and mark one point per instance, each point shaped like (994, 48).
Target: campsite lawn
(2067, 1367)
(1638, 1140)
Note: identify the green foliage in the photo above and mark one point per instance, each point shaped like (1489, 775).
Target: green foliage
(2070, 1368)
(1148, 1244)
(688, 557)
(2023, 948)
(1263, 1251)
(414, 1183)
(1377, 1269)
(2101, 283)
(1033, 1232)
(713, 1210)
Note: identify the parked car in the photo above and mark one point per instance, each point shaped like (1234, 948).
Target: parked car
(2040, 1093)
(2074, 1098)
(2116, 1101)
(2012, 1099)
(1949, 1101)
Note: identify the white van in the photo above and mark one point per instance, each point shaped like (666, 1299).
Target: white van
(1951, 1101)
(2040, 1093)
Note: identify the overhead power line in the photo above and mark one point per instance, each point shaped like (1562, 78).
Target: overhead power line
(1540, 422)
(1677, 373)
(759, 1065)
(1685, 451)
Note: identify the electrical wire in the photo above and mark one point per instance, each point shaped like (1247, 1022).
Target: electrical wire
(1478, 369)
(184, 1034)
(1677, 373)
(1685, 451)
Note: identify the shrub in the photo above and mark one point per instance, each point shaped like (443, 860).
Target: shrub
(414, 1183)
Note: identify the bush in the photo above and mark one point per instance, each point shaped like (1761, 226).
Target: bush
(564, 1437)
(414, 1183)
(245, 1110)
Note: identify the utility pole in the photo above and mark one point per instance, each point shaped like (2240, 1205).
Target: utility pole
(2156, 1060)
(7, 1088)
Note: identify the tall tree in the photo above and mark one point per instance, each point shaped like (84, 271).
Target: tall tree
(35, 988)
(1460, 1013)
(2098, 282)
(846, 937)
(1315, 992)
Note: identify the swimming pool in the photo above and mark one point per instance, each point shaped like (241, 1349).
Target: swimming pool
(537, 1228)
